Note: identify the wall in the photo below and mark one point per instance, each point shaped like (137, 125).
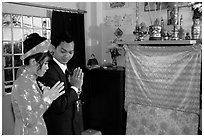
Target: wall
(27, 10)
(94, 30)
(114, 18)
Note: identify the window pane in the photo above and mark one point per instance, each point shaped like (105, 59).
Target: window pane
(8, 75)
(37, 22)
(15, 70)
(18, 47)
(17, 61)
(27, 32)
(48, 34)
(7, 48)
(44, 33)
(8, 90)
(17, 20)
(46, 23)
(27, 21)
(6, 20)
(17, 34)
(7, 34)
(38, 31)
(7, 61)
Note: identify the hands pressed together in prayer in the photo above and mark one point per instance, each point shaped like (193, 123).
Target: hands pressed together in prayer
(77, 78)
(50, 94)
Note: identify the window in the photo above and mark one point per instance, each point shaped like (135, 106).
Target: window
(15, 28)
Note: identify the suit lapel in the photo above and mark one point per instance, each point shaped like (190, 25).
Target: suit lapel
(58, 70)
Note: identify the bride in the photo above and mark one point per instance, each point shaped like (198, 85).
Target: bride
(30, 99)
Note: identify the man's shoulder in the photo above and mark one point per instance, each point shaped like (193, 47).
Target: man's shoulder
(52, 64)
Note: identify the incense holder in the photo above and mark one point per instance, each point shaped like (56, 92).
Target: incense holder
(155, 32)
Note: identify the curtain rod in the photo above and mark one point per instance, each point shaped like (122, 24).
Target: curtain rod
(48, 7)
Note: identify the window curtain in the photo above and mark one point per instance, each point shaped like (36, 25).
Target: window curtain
(162, 89)
(74, 24)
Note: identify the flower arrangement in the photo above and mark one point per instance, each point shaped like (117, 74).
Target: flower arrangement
(113, 48)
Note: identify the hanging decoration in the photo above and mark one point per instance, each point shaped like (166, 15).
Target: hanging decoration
(118, 33)
(118, 20)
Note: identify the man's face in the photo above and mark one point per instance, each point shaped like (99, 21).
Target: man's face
(64, 52)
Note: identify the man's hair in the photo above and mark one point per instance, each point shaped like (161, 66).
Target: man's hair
(61, 37)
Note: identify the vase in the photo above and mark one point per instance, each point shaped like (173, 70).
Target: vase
(196, 29)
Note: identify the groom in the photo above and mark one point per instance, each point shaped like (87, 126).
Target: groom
(61, 117)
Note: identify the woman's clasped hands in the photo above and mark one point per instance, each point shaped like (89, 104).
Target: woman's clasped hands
(50, 95)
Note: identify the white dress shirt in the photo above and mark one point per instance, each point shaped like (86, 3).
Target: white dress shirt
(63, 68)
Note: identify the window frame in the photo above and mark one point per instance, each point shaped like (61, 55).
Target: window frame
(7, 84)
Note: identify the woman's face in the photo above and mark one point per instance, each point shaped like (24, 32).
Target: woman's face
(44, 68)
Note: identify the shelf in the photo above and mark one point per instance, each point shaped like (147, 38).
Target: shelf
(159, 42)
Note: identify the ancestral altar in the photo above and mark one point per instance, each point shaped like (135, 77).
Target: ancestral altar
(162, 87)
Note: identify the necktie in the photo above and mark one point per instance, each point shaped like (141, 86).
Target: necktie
(67, 75)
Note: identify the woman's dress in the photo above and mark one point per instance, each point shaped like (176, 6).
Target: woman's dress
(28, 106)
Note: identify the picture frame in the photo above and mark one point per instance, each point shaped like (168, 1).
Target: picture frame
(151, 6)
(116, 5)
(172, 16)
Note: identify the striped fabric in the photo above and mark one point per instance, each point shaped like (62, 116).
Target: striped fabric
(165, 77)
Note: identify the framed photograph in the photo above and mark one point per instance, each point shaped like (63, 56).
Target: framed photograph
(172, 16)
(152, 6)
(114, 5)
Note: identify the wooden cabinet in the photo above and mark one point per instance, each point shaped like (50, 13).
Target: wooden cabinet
(103, 97)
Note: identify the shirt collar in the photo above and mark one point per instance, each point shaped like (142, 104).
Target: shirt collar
(62, 66)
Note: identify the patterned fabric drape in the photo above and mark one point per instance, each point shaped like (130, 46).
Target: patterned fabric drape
(163, 77)
(148, 120)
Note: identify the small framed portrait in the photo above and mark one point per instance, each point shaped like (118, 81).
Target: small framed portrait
(114, 5)
(172, 16)
(152, 6)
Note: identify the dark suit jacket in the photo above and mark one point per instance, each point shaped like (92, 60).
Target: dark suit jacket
(61, 117)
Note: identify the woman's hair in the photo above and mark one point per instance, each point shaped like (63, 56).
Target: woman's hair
(30, 42)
